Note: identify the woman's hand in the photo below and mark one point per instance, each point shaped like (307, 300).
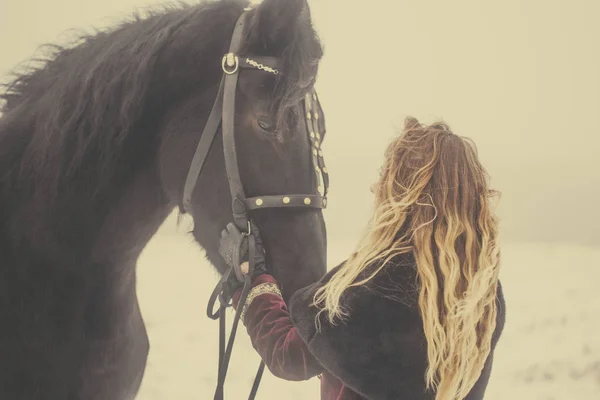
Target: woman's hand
(234, 248)
(245, 267)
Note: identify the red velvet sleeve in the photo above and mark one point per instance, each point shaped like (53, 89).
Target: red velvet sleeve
(274, 336)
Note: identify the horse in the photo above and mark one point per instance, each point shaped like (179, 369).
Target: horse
(96, 143)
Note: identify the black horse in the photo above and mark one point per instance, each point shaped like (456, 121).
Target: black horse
(95, 146)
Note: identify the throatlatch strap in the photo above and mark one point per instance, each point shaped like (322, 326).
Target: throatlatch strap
(208, 136)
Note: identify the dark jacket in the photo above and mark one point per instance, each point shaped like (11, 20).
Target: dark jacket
(379, 352)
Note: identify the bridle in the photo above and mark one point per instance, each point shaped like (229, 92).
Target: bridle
(223, 113)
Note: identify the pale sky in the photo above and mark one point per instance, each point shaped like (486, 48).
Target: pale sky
(519, 77)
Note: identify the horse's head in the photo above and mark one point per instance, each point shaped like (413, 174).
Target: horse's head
(274, 149)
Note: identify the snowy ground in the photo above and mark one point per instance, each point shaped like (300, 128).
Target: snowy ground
(550, 349)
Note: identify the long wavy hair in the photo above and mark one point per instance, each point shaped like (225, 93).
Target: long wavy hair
(433, 200)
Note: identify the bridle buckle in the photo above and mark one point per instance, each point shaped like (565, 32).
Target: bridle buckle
(230, 60)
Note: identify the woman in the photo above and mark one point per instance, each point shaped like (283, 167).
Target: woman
(416, 312)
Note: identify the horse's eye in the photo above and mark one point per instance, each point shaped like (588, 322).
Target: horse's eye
(265, 124)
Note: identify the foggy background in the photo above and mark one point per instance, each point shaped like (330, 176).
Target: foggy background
(520, 77)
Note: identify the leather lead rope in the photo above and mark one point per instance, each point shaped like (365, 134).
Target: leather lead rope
(225, 352)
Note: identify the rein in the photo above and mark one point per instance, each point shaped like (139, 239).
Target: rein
(225, 353)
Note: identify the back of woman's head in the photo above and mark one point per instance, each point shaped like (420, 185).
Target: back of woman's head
(433, 200)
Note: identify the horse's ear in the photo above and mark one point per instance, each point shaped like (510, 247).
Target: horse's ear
(274, 22)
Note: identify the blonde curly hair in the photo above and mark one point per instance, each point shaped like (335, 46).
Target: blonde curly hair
(433, 200)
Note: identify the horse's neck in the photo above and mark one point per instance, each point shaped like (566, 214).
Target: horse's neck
(114, 233)
(135, 218)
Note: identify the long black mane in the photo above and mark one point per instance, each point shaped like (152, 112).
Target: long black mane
(79, 116)
(81, 107)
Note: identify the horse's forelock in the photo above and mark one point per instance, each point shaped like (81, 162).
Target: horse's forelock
(301, 58)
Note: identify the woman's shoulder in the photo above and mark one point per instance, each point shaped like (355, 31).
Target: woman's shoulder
(396, 281)
(389, 298)
(380, 339)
